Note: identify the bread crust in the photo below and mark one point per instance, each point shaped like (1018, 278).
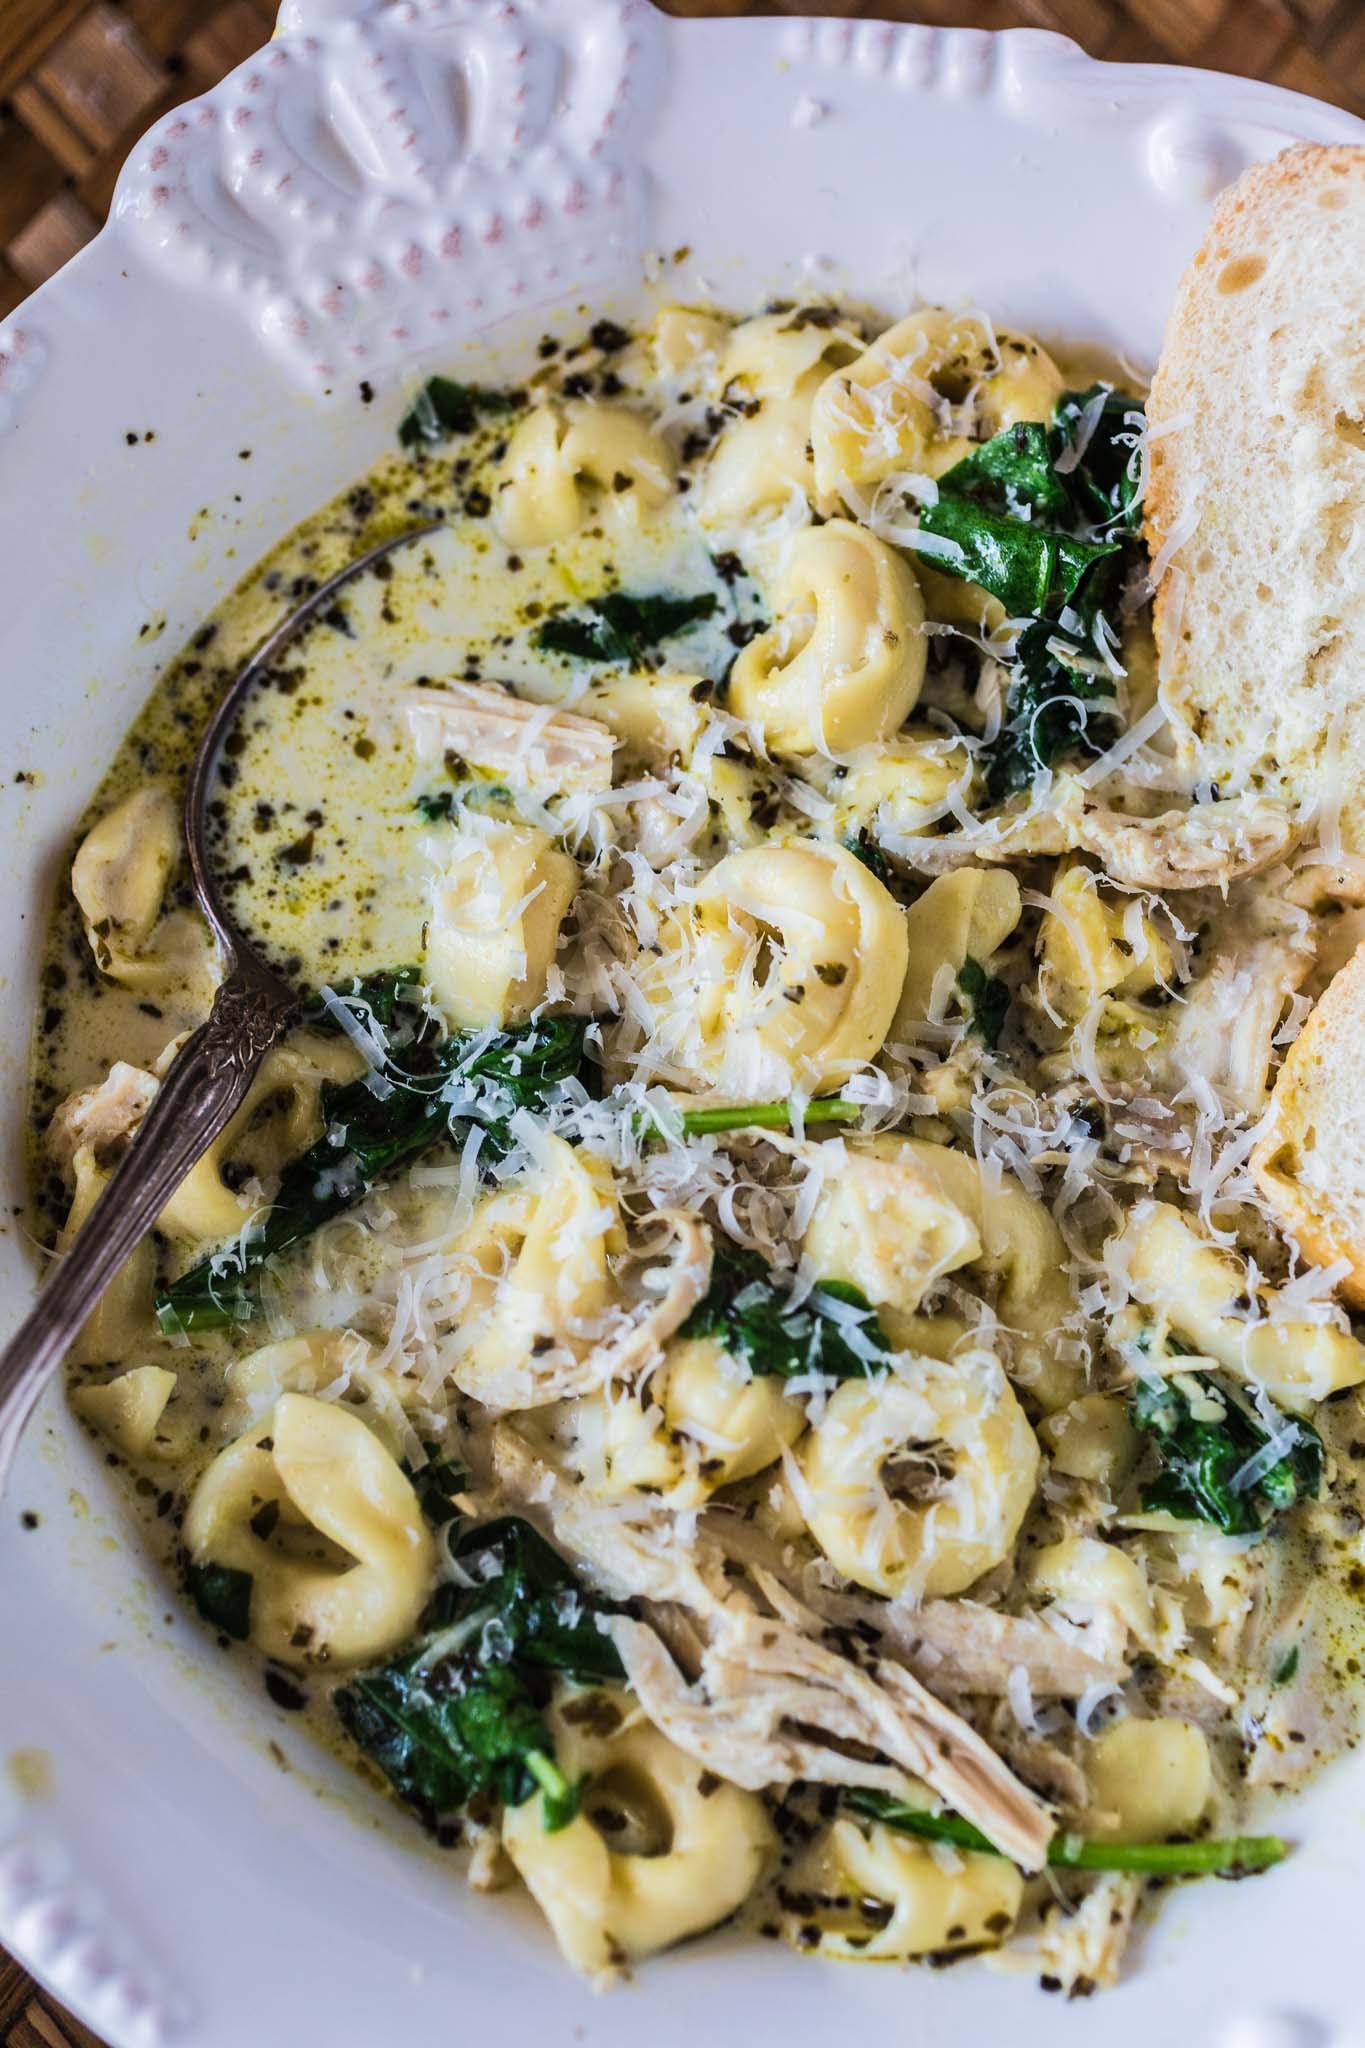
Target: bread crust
(1323, 1070)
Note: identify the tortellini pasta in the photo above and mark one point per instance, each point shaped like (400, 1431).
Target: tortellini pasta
(899, 789)
(1149, 1780)
(1081, 1574)
(868, 1894)
(703, 1421)
(884, 1226)
(539, 497)
(761, 469)
(1092, 1438)
(772, 354)
(119, 1319)
(789, 972)
(844, 664)
(337, 1364)
(317, 1513)
(686, 342)
(657, 718)
(129, 1409)
(1201, 1291)
(966, 915)
(660, 1848)
(1021, 1248)
(920, 395)
(1093, 944)
(496, 914)
(120, 873)
(876, 1501)
(536, 1259)
(280, 1117)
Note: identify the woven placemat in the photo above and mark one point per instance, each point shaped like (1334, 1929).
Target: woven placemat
(79, 82)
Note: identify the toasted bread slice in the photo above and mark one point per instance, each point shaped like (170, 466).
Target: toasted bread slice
(1310, 1162)
(1256, 488)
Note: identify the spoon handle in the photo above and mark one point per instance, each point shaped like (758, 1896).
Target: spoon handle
(207, 1080)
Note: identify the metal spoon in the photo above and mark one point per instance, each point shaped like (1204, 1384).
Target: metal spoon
(205, 1083)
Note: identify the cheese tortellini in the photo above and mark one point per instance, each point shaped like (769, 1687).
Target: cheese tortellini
(760, 469)
(317, 1513)
(876, 1499)
(1083, 1575)
(1020, 1248)
(790, 969)
(556, 448)
(336, 1364)
(871, 1895)
(900, 788)
(1149, 1780)
(1095, 944)
(964, 916)
(536, 1266)
(280, 1117)
(702, 1421)
(1200, 1290)
(660, 1848)
(844, 664)
(116, 1325)
(919, 397)
(129, 1409)
(883, 1225)
(496, 915)
(120, 873)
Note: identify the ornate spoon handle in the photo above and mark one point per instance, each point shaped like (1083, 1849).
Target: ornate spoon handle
(206, 1082)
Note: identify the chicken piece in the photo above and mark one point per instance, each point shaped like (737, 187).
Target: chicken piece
(1084, 1950)
(1225, 1030)
(955, 1646)
(533, 746)
(962, 1647)
(1207, 845)
(772, 1705)
(626, 1550)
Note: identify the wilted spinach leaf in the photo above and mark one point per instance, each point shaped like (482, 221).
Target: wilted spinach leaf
(746, 1309)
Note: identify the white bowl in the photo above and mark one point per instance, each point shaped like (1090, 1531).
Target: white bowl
(381, 192)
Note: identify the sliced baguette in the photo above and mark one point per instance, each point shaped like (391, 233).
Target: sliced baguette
(1310, 1162)
(1256, 488)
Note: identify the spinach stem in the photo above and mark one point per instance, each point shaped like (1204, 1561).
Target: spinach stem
(1232, 1856)
(699, 1123)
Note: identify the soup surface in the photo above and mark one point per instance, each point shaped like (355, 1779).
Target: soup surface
(735, 1358)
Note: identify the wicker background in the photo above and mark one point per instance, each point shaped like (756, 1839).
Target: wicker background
(79, 82)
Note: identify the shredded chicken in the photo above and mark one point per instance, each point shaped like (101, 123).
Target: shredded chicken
(532, 745)
(1225, 1030)
(772, 1705)
(101, 1116)
(957, 1646)
(963, 1647)
(627, 1550)
(1082, 1951)
(1209, 844)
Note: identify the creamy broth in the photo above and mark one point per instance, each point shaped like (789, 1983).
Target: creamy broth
(952, 1473)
